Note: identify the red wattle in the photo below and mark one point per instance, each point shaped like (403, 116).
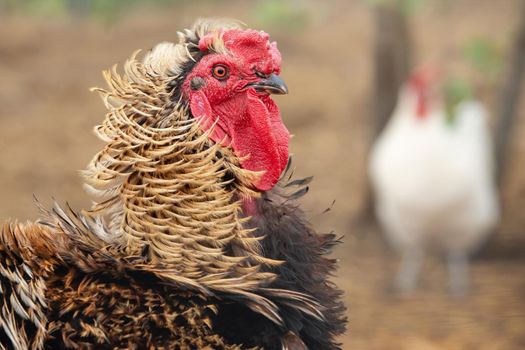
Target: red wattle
(279, 130)
(253, 124)
(261, 134)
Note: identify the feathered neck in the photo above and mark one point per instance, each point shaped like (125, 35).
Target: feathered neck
(163, 186)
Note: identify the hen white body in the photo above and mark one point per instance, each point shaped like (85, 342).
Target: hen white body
(434, 187)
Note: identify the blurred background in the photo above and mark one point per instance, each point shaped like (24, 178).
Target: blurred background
(343, 61)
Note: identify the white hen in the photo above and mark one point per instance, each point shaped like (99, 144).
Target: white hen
(433, 181)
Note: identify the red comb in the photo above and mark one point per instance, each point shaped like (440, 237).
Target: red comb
(423, 77)
(250, 44)
(421, 80)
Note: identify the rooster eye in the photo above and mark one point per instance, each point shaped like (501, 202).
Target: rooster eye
(220, 71)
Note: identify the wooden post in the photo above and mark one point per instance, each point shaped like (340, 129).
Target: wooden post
(392, 54)
(509, 99)
(392, 64)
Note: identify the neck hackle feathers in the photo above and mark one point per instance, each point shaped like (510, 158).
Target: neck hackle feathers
(161, 183)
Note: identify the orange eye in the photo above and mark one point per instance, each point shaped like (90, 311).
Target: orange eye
(220, 71)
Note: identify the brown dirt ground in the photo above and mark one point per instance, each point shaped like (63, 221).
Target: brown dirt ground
(47, 113)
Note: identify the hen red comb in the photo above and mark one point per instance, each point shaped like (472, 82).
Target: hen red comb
(421, 80)
(424, 77)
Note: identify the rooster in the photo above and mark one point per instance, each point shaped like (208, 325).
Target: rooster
(195, 240)
(432, 174)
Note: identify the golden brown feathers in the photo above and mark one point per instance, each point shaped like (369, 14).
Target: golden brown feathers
(27, 257)
(166, 255)
(162, 183)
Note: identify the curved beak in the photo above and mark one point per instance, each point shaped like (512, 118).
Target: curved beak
(271, 85)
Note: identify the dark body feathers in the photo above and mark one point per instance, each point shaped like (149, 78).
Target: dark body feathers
(88, 295)
(289, 237)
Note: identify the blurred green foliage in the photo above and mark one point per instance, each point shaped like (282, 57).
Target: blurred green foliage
(410, 6)
(407, 7)
(455, 90)
(42, 7)
(484, 56)
(287, 14)
(106, 10)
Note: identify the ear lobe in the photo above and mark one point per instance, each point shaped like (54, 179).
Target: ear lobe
(202, 112)
(200, 108)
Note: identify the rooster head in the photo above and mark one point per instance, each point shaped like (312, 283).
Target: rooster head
(191, 135)
(422, 85)
(228, 90)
